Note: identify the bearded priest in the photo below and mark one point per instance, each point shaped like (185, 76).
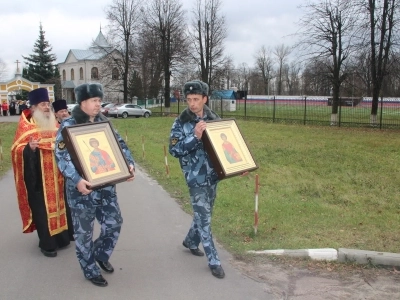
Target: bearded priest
(39, 184)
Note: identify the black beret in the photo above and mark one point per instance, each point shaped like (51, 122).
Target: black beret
(195, 87)
(88, 90)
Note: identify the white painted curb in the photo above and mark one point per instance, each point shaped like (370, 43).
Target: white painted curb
(329, 254)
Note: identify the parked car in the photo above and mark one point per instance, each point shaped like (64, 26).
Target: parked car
(126, 110)
(104, 110)
(70, 107)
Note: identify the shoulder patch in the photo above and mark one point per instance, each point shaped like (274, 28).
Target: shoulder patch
(61, 145)
(174, 141)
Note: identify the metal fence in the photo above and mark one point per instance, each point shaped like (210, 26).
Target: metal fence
(311, 110)
(300, 110)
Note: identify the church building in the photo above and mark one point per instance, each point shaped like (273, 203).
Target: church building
(94, 65)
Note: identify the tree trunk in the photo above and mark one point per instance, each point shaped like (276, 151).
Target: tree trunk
(374, 105)
(167, 89)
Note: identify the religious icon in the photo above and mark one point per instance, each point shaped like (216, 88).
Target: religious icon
(229, 150)
(96, 153)
(100, 160)
(231, 157)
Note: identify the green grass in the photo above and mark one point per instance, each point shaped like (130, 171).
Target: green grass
(7, 132)
(319, 186)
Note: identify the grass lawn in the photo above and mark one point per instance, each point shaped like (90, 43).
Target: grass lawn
(319, 186)
(7, 132)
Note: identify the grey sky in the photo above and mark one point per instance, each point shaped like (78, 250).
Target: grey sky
(74, 24)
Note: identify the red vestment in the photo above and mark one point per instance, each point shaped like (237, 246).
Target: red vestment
(53, 181)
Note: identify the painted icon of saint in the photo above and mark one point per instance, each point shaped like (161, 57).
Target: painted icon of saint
(100, 160)
(230, 152)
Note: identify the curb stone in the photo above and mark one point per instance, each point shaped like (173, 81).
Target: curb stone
(317, 254)
(342, 255)
(368, 257)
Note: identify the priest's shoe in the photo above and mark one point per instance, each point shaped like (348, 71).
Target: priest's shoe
(196, 252)
(218, 272)
(49, 253)
(99, 281)
(106, 266)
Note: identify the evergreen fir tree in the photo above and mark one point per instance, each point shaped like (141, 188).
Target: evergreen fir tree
(135, 86)
(57, 84)
(40, 67)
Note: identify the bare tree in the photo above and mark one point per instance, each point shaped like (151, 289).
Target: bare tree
(242, 78)
(292, 78)
(123, 17)
(167, 19)
(227, 71)
(314, 80)
(362, 70)
(185, 73)
(208, 32)
(149, 61)
(265, 65)
(382, 25)
(327, 32)
(281, 52)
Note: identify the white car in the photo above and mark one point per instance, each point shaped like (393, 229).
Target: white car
(126, 110)
(70, 107)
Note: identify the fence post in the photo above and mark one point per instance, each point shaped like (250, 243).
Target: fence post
(274, 110)
(305, 110)
(256, 204)
(222, 109)
(380, 125)
(166, 161)
(143, 155)
(245, 107)
(340, 111)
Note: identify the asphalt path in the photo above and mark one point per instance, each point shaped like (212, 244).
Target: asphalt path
(149, 259)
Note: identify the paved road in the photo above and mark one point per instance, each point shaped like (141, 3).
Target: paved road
(9, 118)
(149, 259)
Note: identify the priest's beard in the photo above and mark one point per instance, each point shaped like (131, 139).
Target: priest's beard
(44, 122)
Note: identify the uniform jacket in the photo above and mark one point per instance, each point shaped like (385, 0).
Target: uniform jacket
(75, 199)
(194, 160)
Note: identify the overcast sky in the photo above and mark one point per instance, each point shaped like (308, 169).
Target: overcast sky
(74, 24)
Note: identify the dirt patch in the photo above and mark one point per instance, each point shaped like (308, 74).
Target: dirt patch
(303, 279)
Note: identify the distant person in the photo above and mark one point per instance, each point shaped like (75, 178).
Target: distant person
(61, 113)
(12, 108)
(22, 106)
(200, 175)
(87, 204)
(39, 184)
(17, 107)
(60, 110)
(4, 107)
